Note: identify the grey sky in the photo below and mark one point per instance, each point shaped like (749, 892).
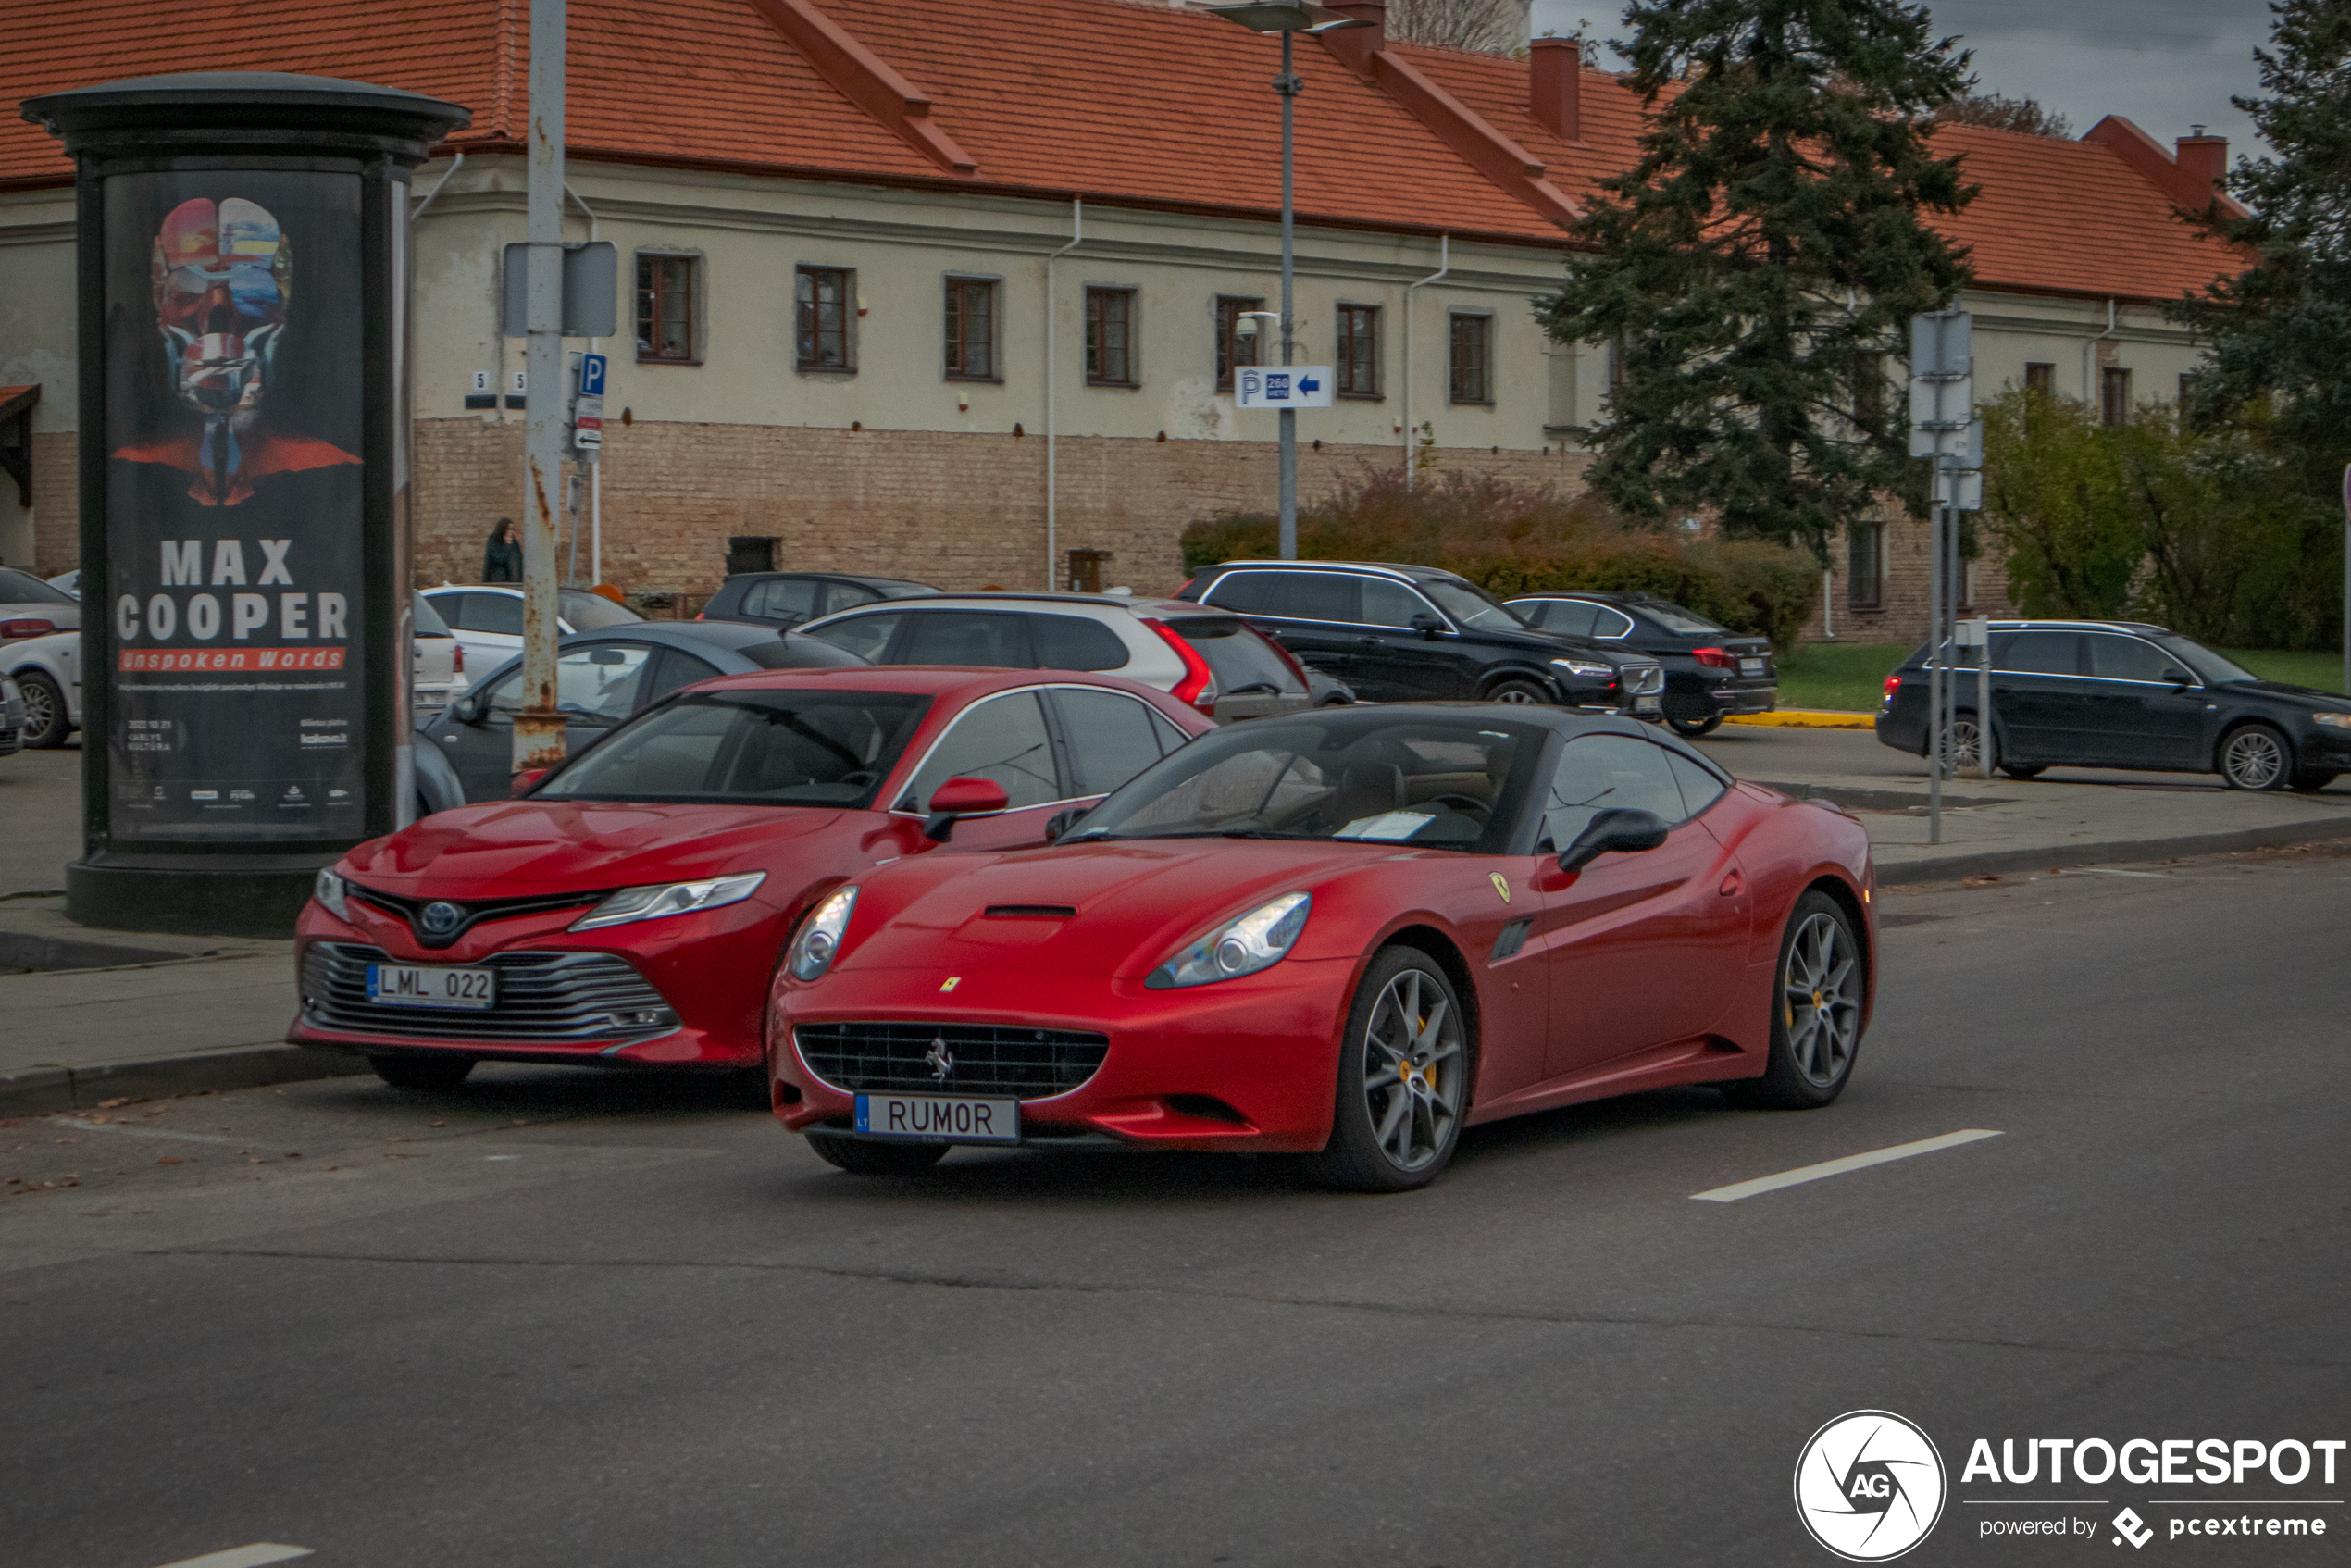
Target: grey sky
(2164, 64)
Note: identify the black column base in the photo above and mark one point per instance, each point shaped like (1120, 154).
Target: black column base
(192, 895)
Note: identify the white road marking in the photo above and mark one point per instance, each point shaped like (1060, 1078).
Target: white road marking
(2114, 871)
(1803, 1173)
(253, 1556)
(80, 1126)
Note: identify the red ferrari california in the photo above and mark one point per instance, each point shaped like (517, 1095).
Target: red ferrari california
(632, 907)
(1345, 935)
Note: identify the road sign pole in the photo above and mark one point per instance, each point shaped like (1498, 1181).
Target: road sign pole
(1289, 88)
(2346, 581)
(1935, 665)
(539, 726)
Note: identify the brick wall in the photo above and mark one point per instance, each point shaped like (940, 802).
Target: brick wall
(955, 509)
(1902, 613)
(56, 503)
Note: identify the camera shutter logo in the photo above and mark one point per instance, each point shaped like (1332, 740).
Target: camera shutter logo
(1870, 1486)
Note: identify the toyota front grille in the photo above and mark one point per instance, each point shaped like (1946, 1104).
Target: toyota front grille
(949, 1058)
(544, 999)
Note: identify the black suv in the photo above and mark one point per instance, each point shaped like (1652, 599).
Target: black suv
(1710, 670)
(2126, 694)
(785, 599)
(1404, 634)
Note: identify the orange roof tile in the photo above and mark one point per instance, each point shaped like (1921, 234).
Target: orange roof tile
(1130, 102)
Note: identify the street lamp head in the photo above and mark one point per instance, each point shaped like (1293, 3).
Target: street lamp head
(1285, 16)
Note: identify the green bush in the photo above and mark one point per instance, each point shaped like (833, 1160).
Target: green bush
(1519, 538)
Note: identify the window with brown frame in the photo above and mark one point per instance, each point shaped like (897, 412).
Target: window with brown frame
(823, 303)
(2114, 395)
(1110, 337)
(2040, 378)
(971, 330)
(665, 308)
(1232, 349)
(1358, 367)
(1865, 565)
(1869, 387)
(1473, 345)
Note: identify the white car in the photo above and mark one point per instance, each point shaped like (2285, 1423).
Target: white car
(67, 582)
(47, 670)
(487, 618)
(438, 675)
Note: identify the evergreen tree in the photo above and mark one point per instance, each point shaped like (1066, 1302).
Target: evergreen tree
(1763, 253)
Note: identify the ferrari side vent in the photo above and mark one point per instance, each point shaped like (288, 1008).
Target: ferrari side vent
(1513, 938)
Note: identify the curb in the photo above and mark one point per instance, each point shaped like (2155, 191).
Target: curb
(45, 1090)
(1989, 863)
(1805, 718)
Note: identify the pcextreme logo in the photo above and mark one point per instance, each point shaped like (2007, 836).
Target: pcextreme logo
(1869, 1486)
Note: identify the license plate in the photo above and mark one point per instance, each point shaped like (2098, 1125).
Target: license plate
(1750, 667)
(939, 1119)
(417, 985)
(1645, 705)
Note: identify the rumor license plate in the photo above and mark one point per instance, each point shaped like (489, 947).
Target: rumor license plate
(417, 985)
(939, 1119)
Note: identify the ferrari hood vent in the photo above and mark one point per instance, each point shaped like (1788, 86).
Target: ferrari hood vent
(1033, 910)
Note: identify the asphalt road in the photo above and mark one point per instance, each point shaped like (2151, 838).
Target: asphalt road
(572, 1319)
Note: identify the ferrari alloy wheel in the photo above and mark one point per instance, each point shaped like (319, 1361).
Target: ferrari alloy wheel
(46, 722)
(1403, 1079)
(1816, 1010)
(2254, 758)
(435, 1073)
(868, 1157)
(1523, 692)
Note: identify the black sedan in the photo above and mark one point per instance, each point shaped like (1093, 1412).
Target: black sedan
(601, 677)
(1710, 671)
(2126, 694)
(787, 598)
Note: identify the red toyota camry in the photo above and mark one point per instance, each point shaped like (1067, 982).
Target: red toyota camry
(1346, 935)
(632, 907)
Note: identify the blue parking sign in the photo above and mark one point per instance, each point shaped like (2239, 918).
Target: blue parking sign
(591, 375)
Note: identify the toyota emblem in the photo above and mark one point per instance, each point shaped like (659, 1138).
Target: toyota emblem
(440, 918)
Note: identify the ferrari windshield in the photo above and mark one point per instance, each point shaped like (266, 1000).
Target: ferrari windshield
(1360, 775)
(825, 748)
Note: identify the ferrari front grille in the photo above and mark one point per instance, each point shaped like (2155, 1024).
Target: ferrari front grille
(544, 999)
(949, 1058)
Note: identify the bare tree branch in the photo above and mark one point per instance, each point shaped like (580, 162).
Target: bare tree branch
(1492, 27)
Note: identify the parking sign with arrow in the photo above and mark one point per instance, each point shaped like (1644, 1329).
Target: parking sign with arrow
(1282, 386)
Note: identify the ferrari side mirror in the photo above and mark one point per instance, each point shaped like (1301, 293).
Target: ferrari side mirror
(1613, 832)
(960, 798)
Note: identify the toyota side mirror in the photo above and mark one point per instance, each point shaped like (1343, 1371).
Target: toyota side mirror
(523, 783)
(1428, 626)
(1621, 831)
(960, 798)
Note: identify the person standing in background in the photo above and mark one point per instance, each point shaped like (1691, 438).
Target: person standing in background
(502, 560)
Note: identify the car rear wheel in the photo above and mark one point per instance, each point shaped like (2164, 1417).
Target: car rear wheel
(2256, 757)
(1816, 1011)
(46, 722)
(441, 1073)
(1694, 727)
(863, 1157)
(1523, 692)
(1967, 741)
(1403, 1079)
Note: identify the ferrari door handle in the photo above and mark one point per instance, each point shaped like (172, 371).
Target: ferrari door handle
(1732, 886)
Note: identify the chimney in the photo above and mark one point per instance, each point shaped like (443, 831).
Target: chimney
(2204, 161)
(1356, 45)
(1555, 73)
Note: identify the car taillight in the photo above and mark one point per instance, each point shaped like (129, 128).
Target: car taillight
(457, 658)
(1715, 657)
(26, 626)
(1893, 683)
(1198, 685)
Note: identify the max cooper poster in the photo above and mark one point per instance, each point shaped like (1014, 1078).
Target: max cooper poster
(233, 506)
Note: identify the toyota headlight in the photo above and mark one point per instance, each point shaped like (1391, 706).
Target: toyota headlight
(670, 898)
(2334, 721)
(1588, 669)
(331, 890)
(1258, 940)
(819, 941)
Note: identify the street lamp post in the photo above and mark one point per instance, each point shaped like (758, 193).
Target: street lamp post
(1287, 17)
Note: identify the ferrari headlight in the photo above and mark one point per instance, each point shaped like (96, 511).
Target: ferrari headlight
(1588, 669)
(819, 941)
(2334, 721)
(670, 898)
(330, 892)
(1257, 939)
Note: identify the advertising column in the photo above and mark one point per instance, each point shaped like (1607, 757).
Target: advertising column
(242, 506)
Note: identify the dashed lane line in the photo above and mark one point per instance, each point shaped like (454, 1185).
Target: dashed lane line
(253, 1556)
(1803, 1173)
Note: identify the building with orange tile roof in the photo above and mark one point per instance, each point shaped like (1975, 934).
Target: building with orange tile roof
(845, 220)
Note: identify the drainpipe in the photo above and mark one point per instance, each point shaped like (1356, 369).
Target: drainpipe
(2089, 351)
(1444, 265)
(1052, 515)
(418, 211)
(596, 468)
